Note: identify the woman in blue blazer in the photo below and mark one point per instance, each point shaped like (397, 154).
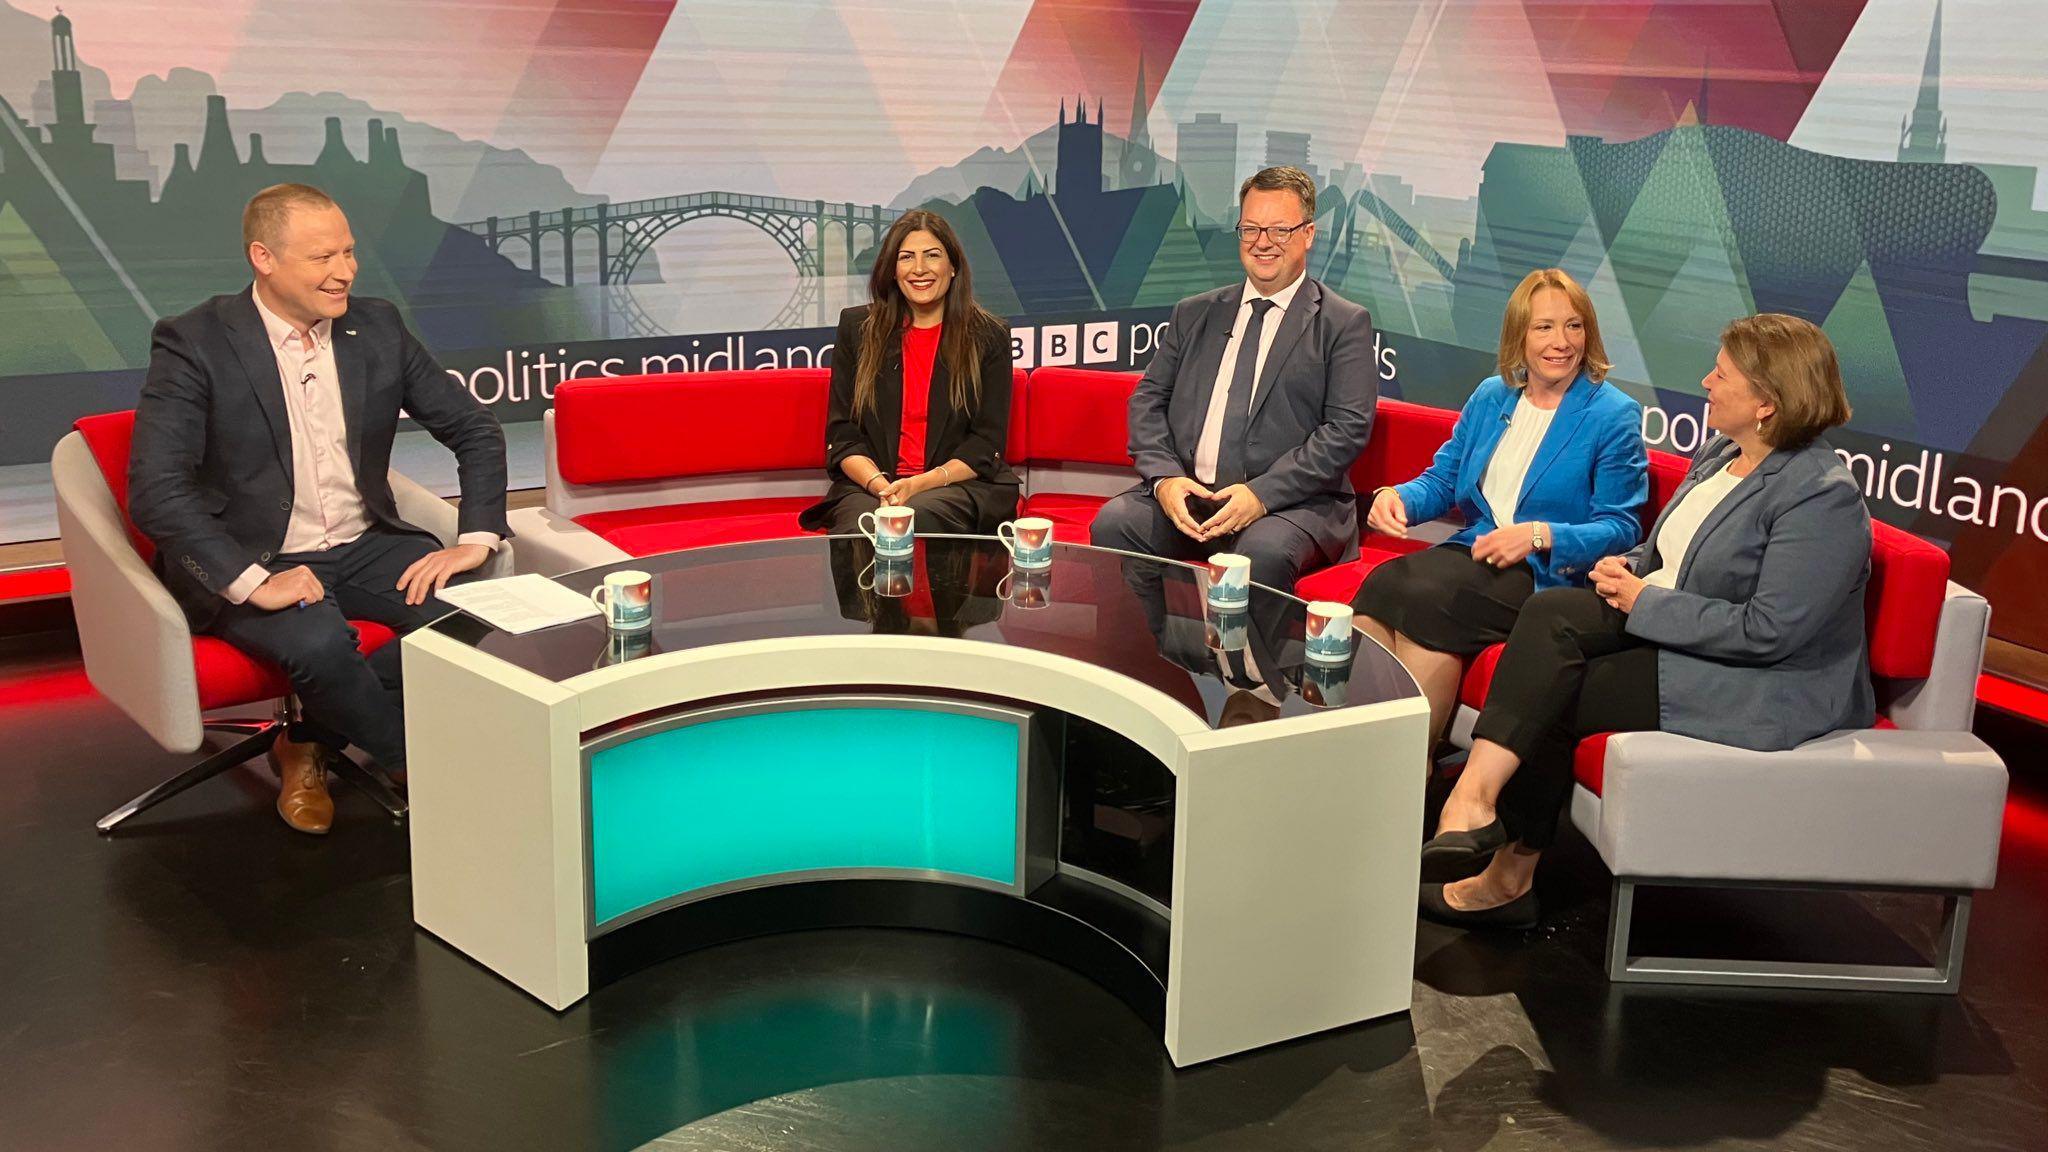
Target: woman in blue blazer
(1546, 465)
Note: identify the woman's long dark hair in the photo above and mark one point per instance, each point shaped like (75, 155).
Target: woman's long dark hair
(968, 325)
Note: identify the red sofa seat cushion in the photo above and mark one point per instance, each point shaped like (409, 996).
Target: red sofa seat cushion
(615, 429)
(1079, 416)
(229, 677)
(1479, 677)
(1340, 582)
(1070, 512)
(667, 527)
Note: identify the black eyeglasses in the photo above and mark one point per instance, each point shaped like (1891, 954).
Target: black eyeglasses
(1281, 233)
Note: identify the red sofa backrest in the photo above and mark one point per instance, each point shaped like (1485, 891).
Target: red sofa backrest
(1404, 441)
(1078, 416)
(1902, 604)
(108, 437)
(620, 428)
(1020, 409)
(1667, 472)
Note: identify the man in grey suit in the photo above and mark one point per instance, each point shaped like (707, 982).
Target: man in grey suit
(260, 470)
(1256, 403)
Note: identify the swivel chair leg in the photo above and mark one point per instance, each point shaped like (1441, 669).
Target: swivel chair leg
(372, 782)
(257, 737)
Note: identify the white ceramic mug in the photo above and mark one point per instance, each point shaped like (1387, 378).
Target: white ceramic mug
(1230, 580)
(891, 529)
(1327, 635)
(1029, 539)
(627, 597)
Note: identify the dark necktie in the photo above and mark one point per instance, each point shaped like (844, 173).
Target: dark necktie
(1237, 411)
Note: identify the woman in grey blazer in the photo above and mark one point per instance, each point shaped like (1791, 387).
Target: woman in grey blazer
(1738, 620)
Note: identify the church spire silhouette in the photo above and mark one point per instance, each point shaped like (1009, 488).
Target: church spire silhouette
(1923, 134)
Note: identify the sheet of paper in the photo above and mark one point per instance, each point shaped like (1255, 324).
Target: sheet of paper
(519, 604)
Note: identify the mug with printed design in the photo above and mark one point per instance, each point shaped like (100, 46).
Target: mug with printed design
(1029, 539)
(627, 599)
(1230, 580)
(890, 529)
(1326, 637)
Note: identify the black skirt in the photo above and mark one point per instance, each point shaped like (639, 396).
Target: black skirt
(1446, 601)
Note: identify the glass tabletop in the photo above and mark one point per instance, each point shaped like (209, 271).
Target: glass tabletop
(1148, 619)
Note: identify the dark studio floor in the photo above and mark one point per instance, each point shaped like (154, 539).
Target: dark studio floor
(210, 980)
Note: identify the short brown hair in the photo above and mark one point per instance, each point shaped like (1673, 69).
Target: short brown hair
(1283, 179)
(1791, 364)
(1514, 326)
(263, 219)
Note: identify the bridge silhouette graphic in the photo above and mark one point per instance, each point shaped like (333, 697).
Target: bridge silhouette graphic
(623, 234)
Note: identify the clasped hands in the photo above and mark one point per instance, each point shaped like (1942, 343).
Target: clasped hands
(425, 577)
(1240, 507)
(1616, 583)
(893, 493)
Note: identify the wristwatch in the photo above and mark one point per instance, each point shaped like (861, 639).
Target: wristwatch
(1536, 536)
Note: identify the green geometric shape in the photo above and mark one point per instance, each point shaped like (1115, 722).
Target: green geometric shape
(1679, 210)
(50, 327)
(1871, 372)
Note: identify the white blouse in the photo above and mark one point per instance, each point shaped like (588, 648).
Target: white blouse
(1502, 484)
(1676, 536)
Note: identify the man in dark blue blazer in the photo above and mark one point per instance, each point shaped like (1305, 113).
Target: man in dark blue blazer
(1253, 409)
(260, 470)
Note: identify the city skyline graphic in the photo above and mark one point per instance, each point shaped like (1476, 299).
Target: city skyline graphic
(634, 175)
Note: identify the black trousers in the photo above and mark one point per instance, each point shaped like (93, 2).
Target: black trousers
(356, 698)
(1570, 670)
(1134, 522)
(949, 509)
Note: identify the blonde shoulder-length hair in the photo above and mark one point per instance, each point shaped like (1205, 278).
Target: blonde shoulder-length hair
(1514, 327)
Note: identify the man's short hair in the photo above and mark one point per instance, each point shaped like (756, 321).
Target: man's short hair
(263, 220)
(1283, 179)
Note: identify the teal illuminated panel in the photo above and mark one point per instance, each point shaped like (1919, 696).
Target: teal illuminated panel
(776, 792)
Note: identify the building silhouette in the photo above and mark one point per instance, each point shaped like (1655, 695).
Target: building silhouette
(1079, 170)
(1140, 165)
(1290, 149)
(1207, 155)
(1923, 133)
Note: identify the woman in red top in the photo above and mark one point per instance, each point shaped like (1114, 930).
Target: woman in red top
(920, 404)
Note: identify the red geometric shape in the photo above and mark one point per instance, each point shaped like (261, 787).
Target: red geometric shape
(1089, 49)
(1625, 69)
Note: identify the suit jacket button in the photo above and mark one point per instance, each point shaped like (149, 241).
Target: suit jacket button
(285, 504)
(266, 555)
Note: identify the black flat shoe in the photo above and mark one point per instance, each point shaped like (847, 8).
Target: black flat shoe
(1521, 912)
(1456, 855)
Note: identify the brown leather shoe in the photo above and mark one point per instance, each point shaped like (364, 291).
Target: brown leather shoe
(302, 797)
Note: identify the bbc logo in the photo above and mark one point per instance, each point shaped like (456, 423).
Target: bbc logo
(1061, 345)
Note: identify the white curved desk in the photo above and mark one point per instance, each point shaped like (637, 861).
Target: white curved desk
(554, 789)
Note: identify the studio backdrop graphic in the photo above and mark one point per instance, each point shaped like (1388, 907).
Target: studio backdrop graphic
(552, 189)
